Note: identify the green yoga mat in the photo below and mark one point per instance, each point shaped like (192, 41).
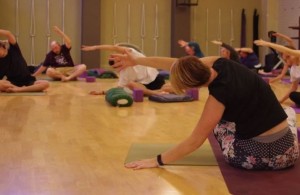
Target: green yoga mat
(203, 156)
(23, 94)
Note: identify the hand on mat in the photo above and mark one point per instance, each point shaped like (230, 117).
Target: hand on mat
(97, 93)
(261, 42)
(123, 60)
(142, 164)
(87, 48)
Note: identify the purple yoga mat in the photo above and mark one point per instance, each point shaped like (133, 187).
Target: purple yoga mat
(286, 80)
(240, 182)
(296, 108)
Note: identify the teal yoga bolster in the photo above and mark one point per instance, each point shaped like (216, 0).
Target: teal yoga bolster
(118, 97)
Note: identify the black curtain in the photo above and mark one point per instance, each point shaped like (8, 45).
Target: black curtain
(243, 29)
(255, 31)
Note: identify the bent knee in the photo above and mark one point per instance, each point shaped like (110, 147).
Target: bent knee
(81, 66)
(50, 71)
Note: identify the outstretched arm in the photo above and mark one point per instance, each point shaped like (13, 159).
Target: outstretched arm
(63, 35)
(182, 43)
(128, 59)
(244, 49)
(278, 47)
(282, 74)
(286, 38)
(10, 37)
(217, 42)
(115, 48)
(293, 88)
(211, 115)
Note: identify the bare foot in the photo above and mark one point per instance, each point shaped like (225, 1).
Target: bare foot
(14, 89)
(162, 92)
(97, 93)
(64, 78)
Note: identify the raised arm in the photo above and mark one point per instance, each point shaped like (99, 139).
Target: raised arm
(211, 115)
(10, 37)
(64, 36)
(217, 42)
(115, 48)
(286, 38)
(182, 43)
(278, 47)
(128, 59)
(244, 49)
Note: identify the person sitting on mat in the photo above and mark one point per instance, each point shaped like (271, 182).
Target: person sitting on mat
(191, 48)
(291, 45)
(245, 56)
(248, 58)
(138, 77)
(253, 130)
(292, 59)
(59, 63)
(227, 51)
(14, 67)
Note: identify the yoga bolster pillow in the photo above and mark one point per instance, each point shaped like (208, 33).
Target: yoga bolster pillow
(118, 97)
(167, 98)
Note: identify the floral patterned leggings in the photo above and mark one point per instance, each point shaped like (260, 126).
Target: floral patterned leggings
(252, 154)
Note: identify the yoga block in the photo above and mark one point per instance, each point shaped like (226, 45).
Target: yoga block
(193, 92)
(138, 95)
(90, 79)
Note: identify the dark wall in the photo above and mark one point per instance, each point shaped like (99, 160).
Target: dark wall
(180, 28)
(90, 35)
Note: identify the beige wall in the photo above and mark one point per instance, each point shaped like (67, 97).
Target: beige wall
(288, 15)
(198, 31)
(107, 23)
(72, 24)
(199, 22)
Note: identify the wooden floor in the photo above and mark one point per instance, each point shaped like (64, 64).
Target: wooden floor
(69, 142)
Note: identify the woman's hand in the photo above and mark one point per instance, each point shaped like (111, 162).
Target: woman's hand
(142, 164)
(216, 42)
(123, 60)
(182, 43)
(87, 48)
(261, 42)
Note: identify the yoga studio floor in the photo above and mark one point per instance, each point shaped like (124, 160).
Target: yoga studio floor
(69, 142)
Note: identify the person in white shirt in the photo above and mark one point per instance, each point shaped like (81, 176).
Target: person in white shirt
(292, 59)
(138, 77)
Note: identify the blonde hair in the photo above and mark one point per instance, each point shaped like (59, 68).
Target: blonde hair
(188, 72)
